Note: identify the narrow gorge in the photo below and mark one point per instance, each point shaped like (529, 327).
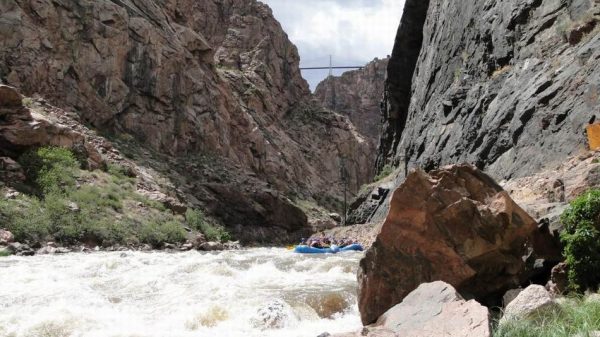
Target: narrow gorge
(160, 161)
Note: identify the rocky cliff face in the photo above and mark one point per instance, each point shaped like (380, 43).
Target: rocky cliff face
(357, 94)
(188, 80)
(506, 85)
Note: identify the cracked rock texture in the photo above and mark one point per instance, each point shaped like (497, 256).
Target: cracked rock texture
(189, 79)
(508, 86)
(357, 94)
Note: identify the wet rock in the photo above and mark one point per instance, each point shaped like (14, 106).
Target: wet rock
(454, 224)
(46, 250)
(186, 246)
(6, 237)
(20, 249)
(211, 246)
(531, 300)
(329, 304)
(274, 315)
(232, 245)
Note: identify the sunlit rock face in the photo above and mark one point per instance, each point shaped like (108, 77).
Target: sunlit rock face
(189, 79)
(508, 86)
(456, 225)
(357, 94)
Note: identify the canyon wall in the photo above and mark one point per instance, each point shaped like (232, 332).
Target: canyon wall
(508, 86)
(357, 94)
(212, 89)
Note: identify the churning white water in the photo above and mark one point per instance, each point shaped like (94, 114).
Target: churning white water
(255, 292)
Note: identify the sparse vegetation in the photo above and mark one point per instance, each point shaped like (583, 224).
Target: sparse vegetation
(4, 253)
(385, 171)
(581, 239)
(501, 71)
(458, 74)
(27, 101)
(566, 26)
(71, 205)
(197, 220)
(575, 317)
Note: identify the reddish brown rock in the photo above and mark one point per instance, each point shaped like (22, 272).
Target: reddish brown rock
(188, 79)
(454, 224)
(357, 94)
(9, 97)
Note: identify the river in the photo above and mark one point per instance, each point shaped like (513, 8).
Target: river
(255, 292)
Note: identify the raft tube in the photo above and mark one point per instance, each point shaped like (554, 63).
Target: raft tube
(303, 249)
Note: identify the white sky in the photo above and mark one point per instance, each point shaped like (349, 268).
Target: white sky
(354, 32)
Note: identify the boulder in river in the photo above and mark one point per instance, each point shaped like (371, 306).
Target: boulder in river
(433, 309)
(454, 224)
(6, 237)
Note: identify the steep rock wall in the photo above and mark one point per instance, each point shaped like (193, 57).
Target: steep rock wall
(357, 94)
(506, 85)
(187, 78)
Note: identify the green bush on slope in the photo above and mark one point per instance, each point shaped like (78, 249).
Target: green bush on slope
(197, 220)
(581, 240)
(98, 210)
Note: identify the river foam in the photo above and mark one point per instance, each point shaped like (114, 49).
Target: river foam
(256, 292)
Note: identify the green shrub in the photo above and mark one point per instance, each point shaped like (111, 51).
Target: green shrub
(93, 212)
(4, 253)
(575, 317)
(385, 171)
(50, 169)
(26, 218)
(156, 233)
(581, 240)
(197, 220)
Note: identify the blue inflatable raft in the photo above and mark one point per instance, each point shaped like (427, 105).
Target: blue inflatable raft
(302, 249)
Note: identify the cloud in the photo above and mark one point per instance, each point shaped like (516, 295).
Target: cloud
(353, 31)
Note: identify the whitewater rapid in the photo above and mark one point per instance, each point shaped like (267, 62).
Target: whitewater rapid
(256, 292)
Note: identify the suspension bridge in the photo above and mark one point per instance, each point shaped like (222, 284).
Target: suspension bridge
(331, 67)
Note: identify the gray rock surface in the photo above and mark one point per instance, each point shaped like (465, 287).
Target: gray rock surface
(528, 302)
(433, 309)
(436, 309)
(498, 84)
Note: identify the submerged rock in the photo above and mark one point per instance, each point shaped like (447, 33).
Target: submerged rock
(274, 315)
(455, 224)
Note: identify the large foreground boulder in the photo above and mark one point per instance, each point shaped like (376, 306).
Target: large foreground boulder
(454, 224)
(432, 310)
